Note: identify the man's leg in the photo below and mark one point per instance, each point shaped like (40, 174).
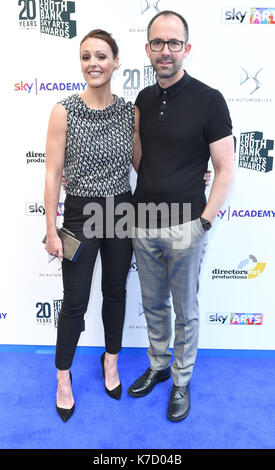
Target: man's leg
(184, 262)
(155, 292)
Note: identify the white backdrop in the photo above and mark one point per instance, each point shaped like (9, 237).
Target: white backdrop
(232, 51)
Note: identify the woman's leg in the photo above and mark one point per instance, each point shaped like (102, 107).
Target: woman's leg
(77, 277)
(116, 255)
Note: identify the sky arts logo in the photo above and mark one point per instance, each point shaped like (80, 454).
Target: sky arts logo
(55, 18)
(253, 269)
(253, 152)
(36, 87)
(215, 318)
(241, 15)
(246, 319)
(237, 214)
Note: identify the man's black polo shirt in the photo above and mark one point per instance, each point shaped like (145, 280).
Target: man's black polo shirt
(177, 124)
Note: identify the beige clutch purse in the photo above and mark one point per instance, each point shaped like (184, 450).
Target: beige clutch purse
(71, 245)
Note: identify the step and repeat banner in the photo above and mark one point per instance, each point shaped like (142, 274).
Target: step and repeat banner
(232, 50)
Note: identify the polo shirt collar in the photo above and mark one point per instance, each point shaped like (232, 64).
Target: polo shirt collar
(176, 87)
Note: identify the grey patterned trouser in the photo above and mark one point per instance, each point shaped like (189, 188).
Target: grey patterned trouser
(169, 261)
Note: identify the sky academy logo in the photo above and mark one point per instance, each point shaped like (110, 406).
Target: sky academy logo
(38, 87)
(230, 213)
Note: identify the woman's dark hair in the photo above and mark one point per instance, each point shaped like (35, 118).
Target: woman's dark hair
(166, 13)
(107, 37)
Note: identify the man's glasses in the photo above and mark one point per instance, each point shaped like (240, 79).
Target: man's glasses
(174, 45)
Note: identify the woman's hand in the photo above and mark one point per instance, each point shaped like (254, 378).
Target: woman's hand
(64, 182)
(54, 246)
(207, 177)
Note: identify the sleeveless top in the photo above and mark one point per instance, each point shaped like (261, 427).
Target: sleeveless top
(99, 147)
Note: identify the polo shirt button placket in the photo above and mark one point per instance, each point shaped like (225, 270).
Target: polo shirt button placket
(163, 107)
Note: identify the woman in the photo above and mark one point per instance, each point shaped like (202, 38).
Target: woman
(90, 136)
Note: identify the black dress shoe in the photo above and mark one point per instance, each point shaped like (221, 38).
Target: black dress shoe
(65, 413)
(116, 392)
(145, 384)
(179, 403)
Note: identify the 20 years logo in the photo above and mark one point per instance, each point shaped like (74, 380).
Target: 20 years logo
(55, 17)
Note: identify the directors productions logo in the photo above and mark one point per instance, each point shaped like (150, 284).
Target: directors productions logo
(55, 17)
(248, 319)
(253, 154)
(35, 157)
(242, 15)
(253, 269)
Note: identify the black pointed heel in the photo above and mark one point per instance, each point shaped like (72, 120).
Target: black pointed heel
(116, 392)
(66, 413)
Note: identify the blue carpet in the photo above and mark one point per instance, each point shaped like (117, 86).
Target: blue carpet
(232, 405)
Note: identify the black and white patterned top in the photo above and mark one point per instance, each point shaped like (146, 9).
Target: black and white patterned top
(99, 147)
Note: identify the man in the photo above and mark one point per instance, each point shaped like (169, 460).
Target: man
(182, 123)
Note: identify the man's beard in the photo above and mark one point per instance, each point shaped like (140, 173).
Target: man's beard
(162, 73)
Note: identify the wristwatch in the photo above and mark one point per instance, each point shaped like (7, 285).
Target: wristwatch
(206, 225)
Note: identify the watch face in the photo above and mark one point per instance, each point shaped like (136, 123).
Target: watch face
(206, 224)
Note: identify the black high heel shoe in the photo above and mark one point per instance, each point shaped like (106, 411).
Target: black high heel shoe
(66, 413)
(116, 392)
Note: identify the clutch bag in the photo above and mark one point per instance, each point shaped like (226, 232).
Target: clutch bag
(71, 245)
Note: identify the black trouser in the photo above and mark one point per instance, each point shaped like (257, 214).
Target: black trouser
(116, 254)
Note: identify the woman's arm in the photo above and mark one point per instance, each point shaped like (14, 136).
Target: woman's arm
(55, 154)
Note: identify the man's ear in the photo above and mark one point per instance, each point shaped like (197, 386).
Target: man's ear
(187, 50)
